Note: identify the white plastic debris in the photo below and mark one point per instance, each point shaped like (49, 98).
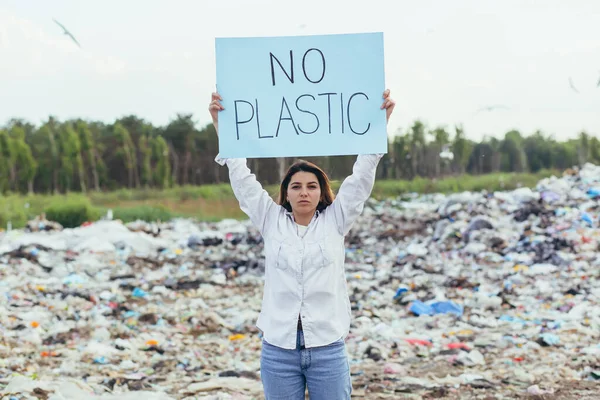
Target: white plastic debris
(469, 291)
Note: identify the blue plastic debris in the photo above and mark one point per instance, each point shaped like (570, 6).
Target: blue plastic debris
(401, 255)
(554, 324)
(593, 192)
(509, 318)
(549, 196)
(447, 307)
(137, 292)
(587, 218)
(440, 307)
(74, 279)
(131, 314)
(550, 339)
(400, 292)
(419, 308)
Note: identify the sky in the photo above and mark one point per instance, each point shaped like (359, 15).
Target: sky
(444, 60)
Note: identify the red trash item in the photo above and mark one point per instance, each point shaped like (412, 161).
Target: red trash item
(458, 346)
(420, 342)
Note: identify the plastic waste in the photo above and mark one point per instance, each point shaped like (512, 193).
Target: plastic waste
(441, 307)
(486, 291)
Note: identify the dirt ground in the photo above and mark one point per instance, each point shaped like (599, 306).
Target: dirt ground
(565, 390)
(371, 384)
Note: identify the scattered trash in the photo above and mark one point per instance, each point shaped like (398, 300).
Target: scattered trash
(41, 224)
(449, 293)
(439, 307)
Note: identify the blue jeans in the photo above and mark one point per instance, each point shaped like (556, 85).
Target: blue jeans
(324, 370)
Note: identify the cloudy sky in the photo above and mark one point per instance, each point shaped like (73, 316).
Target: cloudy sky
(444, 59)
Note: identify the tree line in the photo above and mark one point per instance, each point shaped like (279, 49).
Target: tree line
(79, 155)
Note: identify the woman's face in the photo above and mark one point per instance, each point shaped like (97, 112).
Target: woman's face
(304, 192)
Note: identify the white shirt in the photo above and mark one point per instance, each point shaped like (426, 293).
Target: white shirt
(301, 230)
(304, 275)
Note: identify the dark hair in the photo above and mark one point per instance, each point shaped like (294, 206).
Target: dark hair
(327, 195)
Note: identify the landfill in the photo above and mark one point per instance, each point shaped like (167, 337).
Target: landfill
(474, 295)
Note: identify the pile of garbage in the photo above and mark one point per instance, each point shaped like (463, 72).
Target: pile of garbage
(453, 296)
(41, 223)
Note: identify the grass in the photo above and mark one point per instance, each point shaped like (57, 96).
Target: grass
(216, 202)
(474, 183)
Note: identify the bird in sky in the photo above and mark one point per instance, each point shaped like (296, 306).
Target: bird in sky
(66, 32)
(573, 85)
(492, 108)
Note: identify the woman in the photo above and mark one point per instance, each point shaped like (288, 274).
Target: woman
(305, 313)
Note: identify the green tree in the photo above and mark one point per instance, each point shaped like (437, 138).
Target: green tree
(71, 162)
(80, 155)
(125, 151)
(182, 136)
(160, 156)
(583, 149)
(145, 152)
(417, 144)
(137, 129)
(88, 155)
(25, 165)
(461, 148)
(440, 138)
(9, 157)
(513, 156)
(401, 156)
(46, 151)
(594, 152)
(6, 160)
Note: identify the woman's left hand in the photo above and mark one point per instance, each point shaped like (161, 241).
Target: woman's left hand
(388, 104)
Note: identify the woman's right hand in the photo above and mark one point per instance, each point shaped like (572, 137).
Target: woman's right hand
(214, 107)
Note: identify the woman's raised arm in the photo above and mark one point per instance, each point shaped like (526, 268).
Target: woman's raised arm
(254, 200)
(356, 188)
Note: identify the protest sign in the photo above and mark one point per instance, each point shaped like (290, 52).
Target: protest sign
(301, 96)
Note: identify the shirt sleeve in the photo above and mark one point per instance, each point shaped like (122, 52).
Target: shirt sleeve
(254, 201)
(355, 191)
